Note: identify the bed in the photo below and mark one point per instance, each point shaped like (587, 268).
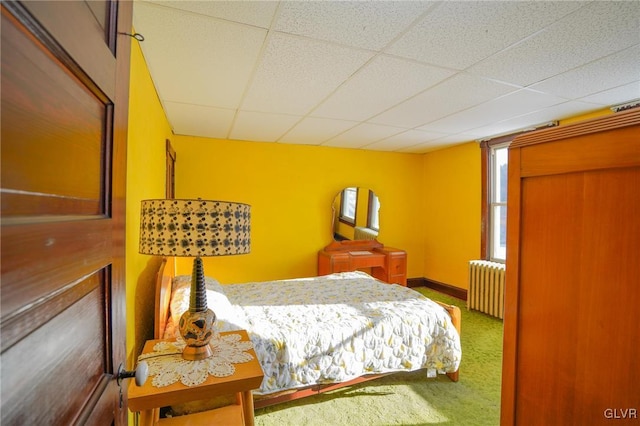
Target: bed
(316, 334)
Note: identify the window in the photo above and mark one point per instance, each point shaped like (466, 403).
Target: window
(374, 207)
(495, 160)
(348, 205)
(498, 155)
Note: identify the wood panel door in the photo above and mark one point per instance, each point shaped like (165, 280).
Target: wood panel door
(570, 330)
(65, 73)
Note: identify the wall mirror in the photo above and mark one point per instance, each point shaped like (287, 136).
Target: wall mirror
(356, 215)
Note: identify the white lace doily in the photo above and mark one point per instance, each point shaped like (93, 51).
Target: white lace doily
(167, 366)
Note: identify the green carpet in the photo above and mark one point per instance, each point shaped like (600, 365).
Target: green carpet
(412, 398)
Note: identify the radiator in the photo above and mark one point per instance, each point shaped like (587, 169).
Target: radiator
(486, 287)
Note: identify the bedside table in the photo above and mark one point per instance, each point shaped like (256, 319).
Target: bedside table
(148, 399)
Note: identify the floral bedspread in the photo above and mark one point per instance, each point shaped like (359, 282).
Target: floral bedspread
(333, 328)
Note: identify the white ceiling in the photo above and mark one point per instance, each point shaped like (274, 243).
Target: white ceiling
(406, 76)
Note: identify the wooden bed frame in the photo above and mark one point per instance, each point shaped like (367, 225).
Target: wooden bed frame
(164, 279)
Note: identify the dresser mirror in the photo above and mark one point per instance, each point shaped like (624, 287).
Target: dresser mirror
(356, 215)
(355, 245)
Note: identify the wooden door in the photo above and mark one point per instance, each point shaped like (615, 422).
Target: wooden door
(65, 73)
(570, 331)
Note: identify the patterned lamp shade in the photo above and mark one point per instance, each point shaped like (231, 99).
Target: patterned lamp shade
(195, 228)
(170, 227)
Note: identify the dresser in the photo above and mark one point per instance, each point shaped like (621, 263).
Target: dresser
(384, 263)
(573, 262)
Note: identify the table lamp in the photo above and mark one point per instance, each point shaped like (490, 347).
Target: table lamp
(195, 228)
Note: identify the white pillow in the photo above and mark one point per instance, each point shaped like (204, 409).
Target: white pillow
(228, 318)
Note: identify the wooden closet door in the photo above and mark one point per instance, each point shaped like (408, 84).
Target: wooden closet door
(570, 349)
(65, 73)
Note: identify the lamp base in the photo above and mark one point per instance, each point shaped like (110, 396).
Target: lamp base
(195, 353)
(197, 329)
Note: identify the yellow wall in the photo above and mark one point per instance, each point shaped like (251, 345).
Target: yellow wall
(452, 212)
(148, 130)
(430, 204)
(452, 209)
(291, 189)
(588, 116)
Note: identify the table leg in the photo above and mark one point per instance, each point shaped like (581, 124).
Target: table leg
(247, 407)
(149, 417)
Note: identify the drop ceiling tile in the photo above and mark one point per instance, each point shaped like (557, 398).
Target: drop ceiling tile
(606, 73)
(261, 127)
(212, 58)
(256, 13)
(404, 140)
(522, 122)
(382, 82)
(315, 131)
(361, 135)
(455, 94)
(458, 34)
(196, 120)
(369, 25)
(441, 143)
(615, 96)
(503, 108)
(593, 32)
(197, 59)
(296, 74)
